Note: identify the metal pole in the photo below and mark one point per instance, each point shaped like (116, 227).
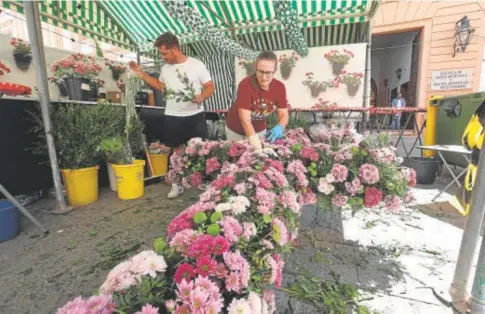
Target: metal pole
(24, 211)
(138, 57)
(471, 233)
(367, 77)
(35, 35)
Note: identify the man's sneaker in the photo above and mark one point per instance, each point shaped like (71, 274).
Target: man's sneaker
(175, 192)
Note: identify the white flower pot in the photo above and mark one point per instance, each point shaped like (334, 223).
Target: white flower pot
(112, 177)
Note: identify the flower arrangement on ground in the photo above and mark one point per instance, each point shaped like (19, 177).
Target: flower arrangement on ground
(223, 254)
(156, 148)
(287, 63)
(22, 53)
(116, 68)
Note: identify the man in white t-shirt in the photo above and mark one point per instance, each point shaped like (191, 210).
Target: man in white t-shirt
(187, 83)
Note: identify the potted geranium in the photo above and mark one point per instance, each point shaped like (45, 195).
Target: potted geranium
(77, 70)
(287, 63)
(249, 66)
(352, 80)
(316, 87)
(95, 85)
(121, 85)
(116, 68)
(22, 53)
(338, 59)
(61, 85)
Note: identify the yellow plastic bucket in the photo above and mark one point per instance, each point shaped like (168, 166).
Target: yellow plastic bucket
(129, 180)
(81, 185)
(159, 164)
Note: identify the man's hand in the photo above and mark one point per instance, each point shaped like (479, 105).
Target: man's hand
(275, 133)
(136, 68)
(198, 99)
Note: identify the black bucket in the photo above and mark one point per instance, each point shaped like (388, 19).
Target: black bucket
(426, 168)
(77, 88)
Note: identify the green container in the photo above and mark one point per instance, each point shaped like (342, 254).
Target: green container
(453, 117)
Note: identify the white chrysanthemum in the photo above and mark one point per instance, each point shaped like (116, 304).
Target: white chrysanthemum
(239, 306)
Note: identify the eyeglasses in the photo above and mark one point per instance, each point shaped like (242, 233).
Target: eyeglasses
(265, 73)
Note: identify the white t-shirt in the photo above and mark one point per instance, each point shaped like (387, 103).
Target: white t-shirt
(197, 75)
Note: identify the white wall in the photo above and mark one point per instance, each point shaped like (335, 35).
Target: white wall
(385, 62)
(299, 96)
(28, 77)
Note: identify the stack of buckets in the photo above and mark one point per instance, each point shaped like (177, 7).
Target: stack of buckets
(9, 221)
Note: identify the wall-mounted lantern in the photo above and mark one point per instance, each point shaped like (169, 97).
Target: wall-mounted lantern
(463, 35)
(398, 73)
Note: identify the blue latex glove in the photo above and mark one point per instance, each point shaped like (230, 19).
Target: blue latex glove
(275, 133)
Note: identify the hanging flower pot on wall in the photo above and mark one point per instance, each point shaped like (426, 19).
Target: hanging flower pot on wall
(287, 63)
(22, 53)
(337, 68)
(116, 68)
(77, 88)
(352, 89)
(22, 61)
(62, 89)
(77, 70)
(316, 90)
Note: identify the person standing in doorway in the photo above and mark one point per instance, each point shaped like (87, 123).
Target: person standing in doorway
(180, 76)
(397, 103)
(258, 96)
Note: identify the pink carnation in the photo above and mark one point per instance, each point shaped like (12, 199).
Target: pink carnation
(93, 305)
(339, 200)
(240, 188)
(309, 153)
(372, 197)
(266, 201)
(205, 266)
(196, 179)
(279, 270)
(184, 271)
(339, 172)
(212, 165)
(307, 197)
(353, 187)
(249, 230)
(369, 174)
(289, 199)
(236, 150)
(231, 228)
(148, 309)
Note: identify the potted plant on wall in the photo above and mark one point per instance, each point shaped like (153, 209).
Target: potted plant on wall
(352, 80)
(287, 63)
(316, 87)
(77, 70)
(117, 69)
(22, 53)
(338, 59)
(94, 86)
(61, 85)
(249, 66)
(121, 85)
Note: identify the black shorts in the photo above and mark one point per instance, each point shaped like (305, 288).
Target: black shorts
(179, 130)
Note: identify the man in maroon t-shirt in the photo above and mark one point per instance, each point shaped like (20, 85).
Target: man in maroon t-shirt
(258, 96)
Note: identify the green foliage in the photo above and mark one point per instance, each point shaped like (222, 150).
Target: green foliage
(185, 95)
(147, 290)
(78, 132)
(295, 121)
(331, 297)
(377, 141)
(117, 151)
(99, 51)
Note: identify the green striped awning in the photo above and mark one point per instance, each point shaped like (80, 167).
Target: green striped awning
(83, 17)
(136, 24)
(146, 20)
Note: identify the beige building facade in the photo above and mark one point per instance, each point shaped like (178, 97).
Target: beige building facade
(414, 48)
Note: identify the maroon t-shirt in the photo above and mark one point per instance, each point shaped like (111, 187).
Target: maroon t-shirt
(261, 103)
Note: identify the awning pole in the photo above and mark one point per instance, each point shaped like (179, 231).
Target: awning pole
(367, 77)
(35, 35)
(471, 234)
